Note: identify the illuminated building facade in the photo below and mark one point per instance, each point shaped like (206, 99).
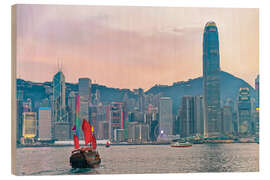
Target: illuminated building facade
(244, 112)
(29, 126)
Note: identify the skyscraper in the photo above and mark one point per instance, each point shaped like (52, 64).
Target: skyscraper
(198, 116)
(19, 115)
(116, 117)
(72, 107)
(227, 120)
(211, 80)
(61, 126)
(59, 97)
(45, 123)
(29, 127)
(257, 91)
(85, 99)
(165, 116)
(256, 116)
(187, 117)
(244, 112)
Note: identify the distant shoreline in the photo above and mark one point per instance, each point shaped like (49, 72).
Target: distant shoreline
(129, 144)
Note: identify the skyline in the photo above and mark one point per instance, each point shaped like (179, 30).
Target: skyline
(164, 37)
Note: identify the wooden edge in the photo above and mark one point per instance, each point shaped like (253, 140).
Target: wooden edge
(13, 89)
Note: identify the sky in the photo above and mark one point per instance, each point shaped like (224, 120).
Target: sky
(132, 47)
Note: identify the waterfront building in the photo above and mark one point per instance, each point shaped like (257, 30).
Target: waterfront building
(97, 114)
(177, 123)
(154, 130)
(244, 112)
(61, 128)
(72, 109)
(103, 130)
(187, 117)
(138, 132)
(227, 120)
(151, 116)
(85, 101)
(119, 135)
(144, 132)
(29, 127)
(45, 123)
(253, 116)
(257, 91)
(131, 131)
(165, 116)
(199, 116)
(235, 124)
(19, 124)
(116, 117)
(256, 116)
(211, 80)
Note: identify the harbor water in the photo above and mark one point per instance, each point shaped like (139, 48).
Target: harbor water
(131, 159)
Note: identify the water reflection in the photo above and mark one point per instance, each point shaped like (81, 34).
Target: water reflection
(144, 159)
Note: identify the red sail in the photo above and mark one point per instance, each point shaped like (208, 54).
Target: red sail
(76, 142)
(94, 142)
(86, 127)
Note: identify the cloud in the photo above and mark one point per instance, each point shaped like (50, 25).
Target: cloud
(123, 43)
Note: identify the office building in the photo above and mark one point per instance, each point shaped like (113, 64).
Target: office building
(29, 127)
(19, 124)
(211, 80)
(103, 130)
(61, 128)
(165, 116)
(138, 132)
(244, 112)
(85, 99)
(256, 116)
(199, 115)
(119, 135)
(45, 123)
(188, 125)
(227, 120)
(116, 117)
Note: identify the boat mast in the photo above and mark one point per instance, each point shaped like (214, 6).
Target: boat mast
(77, 115)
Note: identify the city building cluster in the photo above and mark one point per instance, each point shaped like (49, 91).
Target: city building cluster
(146, 117)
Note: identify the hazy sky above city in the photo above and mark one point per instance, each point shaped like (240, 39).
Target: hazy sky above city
(132, 47)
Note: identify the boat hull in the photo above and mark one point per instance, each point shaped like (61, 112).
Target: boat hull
(85, 159)
(187, 145)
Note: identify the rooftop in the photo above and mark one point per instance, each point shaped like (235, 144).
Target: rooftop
(210, 23)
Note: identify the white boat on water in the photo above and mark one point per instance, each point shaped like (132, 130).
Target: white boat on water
(178, 144)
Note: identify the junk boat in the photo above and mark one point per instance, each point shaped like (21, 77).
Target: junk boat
(84, 157)
(185, 144)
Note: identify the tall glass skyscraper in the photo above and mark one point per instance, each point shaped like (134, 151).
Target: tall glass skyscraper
(165, 116)
(61, 128)
(244, 112)
(59, 95)
(85, 101)
(211, 80)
